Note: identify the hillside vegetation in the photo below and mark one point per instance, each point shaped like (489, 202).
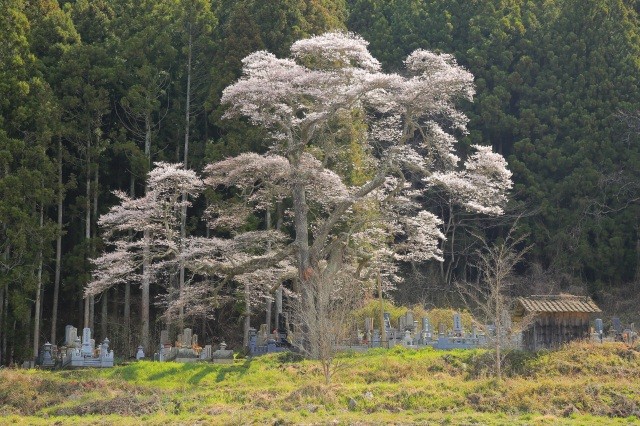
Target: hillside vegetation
(581, 384)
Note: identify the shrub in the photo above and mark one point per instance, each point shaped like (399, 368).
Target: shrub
(436, 316)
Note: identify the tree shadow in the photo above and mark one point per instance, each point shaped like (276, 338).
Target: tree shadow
(203, 371)
(128, 373)
(240, 369)
(163, 374)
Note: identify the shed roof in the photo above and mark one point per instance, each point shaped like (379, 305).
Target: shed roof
(558, 303)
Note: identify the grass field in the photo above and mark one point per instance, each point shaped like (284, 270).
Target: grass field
(581, 384)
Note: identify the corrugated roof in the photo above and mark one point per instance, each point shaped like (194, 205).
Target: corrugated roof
(558, 303)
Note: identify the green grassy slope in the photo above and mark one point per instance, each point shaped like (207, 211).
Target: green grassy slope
(582, 384)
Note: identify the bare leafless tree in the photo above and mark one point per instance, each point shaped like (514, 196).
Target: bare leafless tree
(322, 314)
(489, 295)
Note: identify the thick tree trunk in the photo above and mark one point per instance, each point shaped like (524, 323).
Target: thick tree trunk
(86, 312)
(268, 300)
(94, 234)
(26, 336)
(278, 301)
(383, 328)
(147, 137)
(96, 192)
(4, 308)
(56, 282)
(187, 108)
(127, 317)
(301, 226)
(12, 343)
(146, 255)
(127, 286)
(92, 312)
(279, 215)
(301, 223)
(278, 304)
(146, 282)
(36, 320)
(247, 318)
(87, 233)
(267, 319)
(104, 308)
(183, 216)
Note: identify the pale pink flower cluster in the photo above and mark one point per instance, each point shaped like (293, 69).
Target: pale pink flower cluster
(482, 185)
(335, 50)
(407, 136)
(148, 226)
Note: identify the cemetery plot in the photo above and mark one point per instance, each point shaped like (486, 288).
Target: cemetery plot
(187, 349)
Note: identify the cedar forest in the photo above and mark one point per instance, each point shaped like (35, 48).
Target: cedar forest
(154, 167)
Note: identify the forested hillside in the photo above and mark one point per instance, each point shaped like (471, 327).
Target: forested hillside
(556, 82)
(92, 93)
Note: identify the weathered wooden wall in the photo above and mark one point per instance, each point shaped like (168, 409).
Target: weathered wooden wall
(552, 330)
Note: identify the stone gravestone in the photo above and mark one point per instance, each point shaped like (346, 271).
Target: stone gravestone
(426, 325)
(457, 324)
(407, 340)
(263, 335)
(617, 325)
(223, 355)
(164, 338)
(375, 341)
(617, 328)
(186, 337)
(87, 347)
(599, 325)
(46, 358)
(206, 353)
(70, 335)
(425, 334)
(387, 321)
(253, 340)
(82, 353)
(599, 328)
(106, 358)
(408, 321)
(368, 325)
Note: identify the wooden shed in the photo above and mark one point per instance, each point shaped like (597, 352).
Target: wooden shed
(554, 320)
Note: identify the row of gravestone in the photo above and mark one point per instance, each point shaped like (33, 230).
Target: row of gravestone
(263, 342)
(186, 349)
(76, 352)
(619, 333)
(408, 334)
